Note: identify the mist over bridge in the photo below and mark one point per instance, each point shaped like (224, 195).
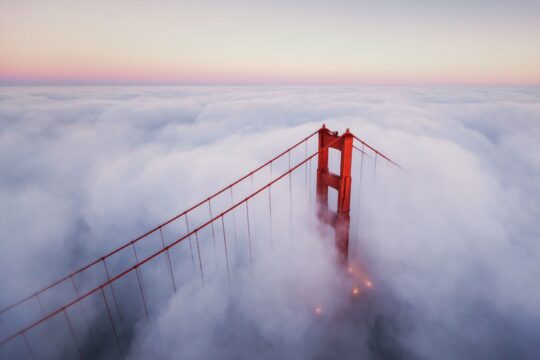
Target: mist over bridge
(309, 185)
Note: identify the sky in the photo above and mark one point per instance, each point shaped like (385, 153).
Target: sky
(269, 42)
(451, 242)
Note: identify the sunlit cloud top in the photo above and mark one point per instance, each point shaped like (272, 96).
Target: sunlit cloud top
(269, 42)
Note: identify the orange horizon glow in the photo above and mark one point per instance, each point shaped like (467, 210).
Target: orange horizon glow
(116, 72)
(83, 76)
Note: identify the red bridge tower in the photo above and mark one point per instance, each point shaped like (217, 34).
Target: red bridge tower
(340, 221)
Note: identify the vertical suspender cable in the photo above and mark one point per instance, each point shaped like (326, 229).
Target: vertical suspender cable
(357, 225)
(374, 168)
(168, 258)
(270, 217)
(189, 238)
(73, 334)
(270, 208)
(139, 280)
(290, 199)
(309, 193)
(305, 157)
(249, 234)
(32, 355)
(43, 313)
(234, 220)
(112, 289)
(112, 323)
(226, 253)
(88, 327)
(199, 252)
(212, 224)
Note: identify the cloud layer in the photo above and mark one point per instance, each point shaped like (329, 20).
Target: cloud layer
(450, 243)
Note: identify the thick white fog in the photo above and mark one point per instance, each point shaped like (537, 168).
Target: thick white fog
(451, 243)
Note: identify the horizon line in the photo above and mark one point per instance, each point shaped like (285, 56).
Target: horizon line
(136, 83)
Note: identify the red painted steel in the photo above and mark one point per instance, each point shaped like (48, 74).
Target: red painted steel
(339, 220)
(111, 280)
(343, 219)
(157, 228)
(377, 152)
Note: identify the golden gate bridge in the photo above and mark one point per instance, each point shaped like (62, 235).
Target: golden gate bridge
(66, 318)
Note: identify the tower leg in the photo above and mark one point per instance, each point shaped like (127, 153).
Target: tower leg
(342, 183)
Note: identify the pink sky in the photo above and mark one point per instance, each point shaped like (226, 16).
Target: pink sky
(211, 42)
